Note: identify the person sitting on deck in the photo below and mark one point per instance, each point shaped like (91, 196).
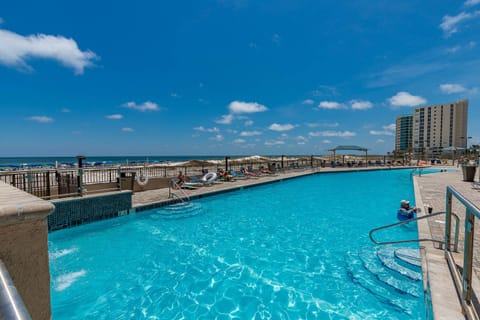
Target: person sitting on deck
(405, 212)
(179, 180)
(224, 175)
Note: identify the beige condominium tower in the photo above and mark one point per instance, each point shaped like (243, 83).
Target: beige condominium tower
(440, 127)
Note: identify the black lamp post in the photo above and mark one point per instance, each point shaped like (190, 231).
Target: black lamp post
(80, 159)
(226, 163)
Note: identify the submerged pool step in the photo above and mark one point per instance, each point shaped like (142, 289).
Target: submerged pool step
(409, 256)
(180, 210)
(372, 264)
(367, 280)
(389, 260)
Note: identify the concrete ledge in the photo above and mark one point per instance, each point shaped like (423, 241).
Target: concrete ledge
(16, 205)
(24, 247)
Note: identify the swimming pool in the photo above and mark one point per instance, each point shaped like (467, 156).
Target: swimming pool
(297, 249)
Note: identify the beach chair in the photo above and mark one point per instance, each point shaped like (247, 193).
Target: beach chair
(236, 175)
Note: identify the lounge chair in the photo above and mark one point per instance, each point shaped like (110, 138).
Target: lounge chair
(236, 175)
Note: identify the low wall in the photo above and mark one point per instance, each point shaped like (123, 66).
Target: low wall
(24, 247)
(77, 211)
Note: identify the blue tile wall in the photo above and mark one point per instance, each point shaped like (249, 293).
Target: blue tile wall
(73, 212)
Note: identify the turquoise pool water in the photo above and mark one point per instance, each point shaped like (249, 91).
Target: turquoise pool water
(287, 250)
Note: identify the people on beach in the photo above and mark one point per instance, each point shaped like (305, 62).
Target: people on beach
(405, 212)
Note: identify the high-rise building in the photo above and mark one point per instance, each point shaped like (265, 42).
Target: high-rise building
(440, 126)
(404, 133)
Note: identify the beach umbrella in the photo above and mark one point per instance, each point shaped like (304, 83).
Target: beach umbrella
(197, 163)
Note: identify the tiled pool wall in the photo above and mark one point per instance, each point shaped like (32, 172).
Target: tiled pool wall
(73, 212)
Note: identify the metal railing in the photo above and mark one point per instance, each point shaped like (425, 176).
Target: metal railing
(463, 278)
(440, 242)
(11, 304)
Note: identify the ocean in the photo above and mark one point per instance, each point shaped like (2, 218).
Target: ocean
(20, 162)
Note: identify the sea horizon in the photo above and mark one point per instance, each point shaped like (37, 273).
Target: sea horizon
(121, 159)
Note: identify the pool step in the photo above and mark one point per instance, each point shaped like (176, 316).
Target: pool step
(409, 256)
(365, 279)
(389, 260)
(180, 210)
(381, 272)
(372, 264)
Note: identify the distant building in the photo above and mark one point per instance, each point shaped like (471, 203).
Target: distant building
(404, 133)
(440, 126)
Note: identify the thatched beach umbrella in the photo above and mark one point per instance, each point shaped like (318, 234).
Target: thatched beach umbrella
(197, 163)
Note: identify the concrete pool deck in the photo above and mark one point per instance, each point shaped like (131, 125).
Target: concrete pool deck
(430, 190)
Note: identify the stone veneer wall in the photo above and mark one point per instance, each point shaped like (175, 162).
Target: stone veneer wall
(76, 211)
(24, 247)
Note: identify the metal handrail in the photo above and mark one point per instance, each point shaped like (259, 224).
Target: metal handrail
(463, 280)
(180, 189)
(11, 304)
(441, 242)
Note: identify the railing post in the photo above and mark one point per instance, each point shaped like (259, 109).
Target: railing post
(119, 177)
(468, 258)
(29, 181)
(80, 181)
(448, 221)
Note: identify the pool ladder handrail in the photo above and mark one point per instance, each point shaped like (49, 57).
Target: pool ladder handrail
(440, 242)
(172, 194)
(11, 303)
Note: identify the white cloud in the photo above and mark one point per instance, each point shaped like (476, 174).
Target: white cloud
(218, 137)
(127, 130)
(248, 123)
(65, 110)
(388, 130)
(331, 105)
(382, 133)
(146, 106)
(250, 133)
(202, 129)
(470, 3)
(274, 143)
(40, 119)
(380, 141)
(239, 141)
(326, 141)
(403, 98)
(450, 88)
(238, 107)
(225, 119)
(323, 124)
(174, 95)
(450, 24)
(281, 127)
(342, 134)
(361, 105)
(16, 49)
(391, 126)
(114, 116)
(308, 101)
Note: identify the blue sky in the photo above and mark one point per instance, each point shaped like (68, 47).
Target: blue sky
(228, 77)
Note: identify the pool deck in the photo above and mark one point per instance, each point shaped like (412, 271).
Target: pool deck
(430, 190)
